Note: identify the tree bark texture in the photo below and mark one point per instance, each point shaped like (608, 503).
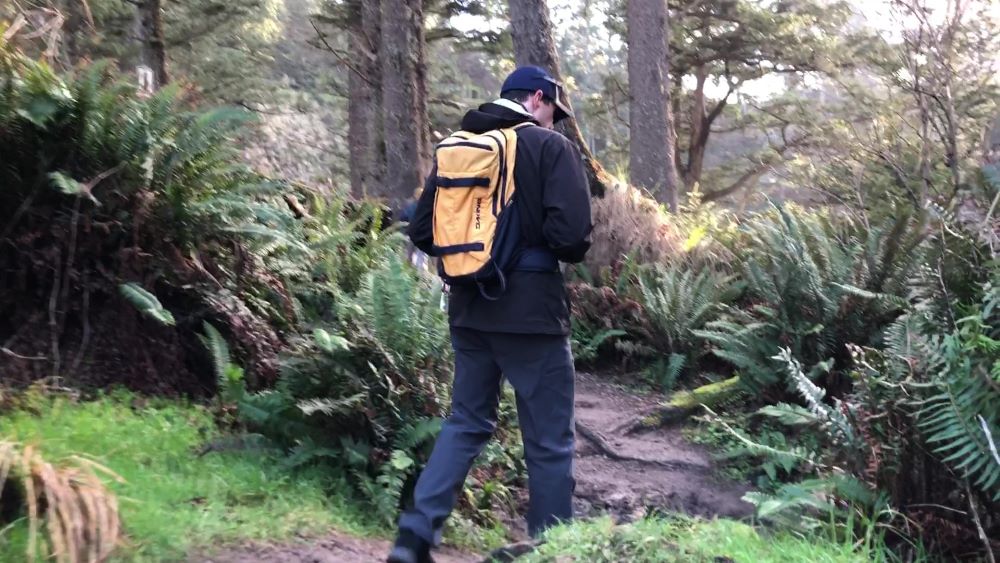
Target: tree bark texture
(364, 107)
(534, 44)
(651, 129)
(149, 37)
(404, 99)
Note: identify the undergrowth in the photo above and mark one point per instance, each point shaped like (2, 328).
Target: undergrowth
(173, 500)
(656, 540)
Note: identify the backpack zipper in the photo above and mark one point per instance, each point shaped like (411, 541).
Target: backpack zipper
(468, 144)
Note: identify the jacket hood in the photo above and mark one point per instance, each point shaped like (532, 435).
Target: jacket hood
(492, 116)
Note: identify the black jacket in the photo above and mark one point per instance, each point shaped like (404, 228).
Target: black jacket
(553, 200)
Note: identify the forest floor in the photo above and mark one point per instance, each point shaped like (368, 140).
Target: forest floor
(621, 474)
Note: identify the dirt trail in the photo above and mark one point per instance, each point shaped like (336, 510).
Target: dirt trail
(656, 470)
(334, 548)
(665, 471)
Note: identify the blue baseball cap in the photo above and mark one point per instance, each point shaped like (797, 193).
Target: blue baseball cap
(533, 78)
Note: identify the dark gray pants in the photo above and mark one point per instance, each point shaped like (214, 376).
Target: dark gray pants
(540, 368)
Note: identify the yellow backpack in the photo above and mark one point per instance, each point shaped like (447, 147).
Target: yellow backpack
(476, 227)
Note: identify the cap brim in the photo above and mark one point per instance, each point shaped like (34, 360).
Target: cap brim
(562, 112)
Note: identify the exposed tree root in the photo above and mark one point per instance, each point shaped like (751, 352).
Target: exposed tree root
(602, 446)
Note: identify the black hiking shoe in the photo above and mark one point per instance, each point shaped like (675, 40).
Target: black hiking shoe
(410, 548)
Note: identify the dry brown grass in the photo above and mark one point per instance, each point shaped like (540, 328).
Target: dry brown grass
(79, 514)
(629, 222)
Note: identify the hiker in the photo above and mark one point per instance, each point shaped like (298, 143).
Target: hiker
(515, 327)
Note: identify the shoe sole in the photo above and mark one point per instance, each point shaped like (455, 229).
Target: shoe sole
(402, 555)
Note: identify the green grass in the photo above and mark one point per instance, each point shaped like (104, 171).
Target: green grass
(174, 501)
(682, 540)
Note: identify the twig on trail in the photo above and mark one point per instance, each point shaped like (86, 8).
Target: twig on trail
(602, 445)
(511, 552)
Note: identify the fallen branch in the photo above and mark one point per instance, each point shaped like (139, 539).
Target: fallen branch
(681, 406)
(651, 419)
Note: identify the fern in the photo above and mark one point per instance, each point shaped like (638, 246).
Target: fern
(402, 313)
(331, 344)
(666, 371)
(832, 419)
(680, 301)
(146, 303)
(385, 490)
(747, 345)
(331, 407)
(586, 346)
(229, 376)
(965, 411)
(217, 347)
(788, 458)
(790, 415)
(816, 285)
(808, 504)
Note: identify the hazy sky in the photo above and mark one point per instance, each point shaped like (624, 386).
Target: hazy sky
(877, 13)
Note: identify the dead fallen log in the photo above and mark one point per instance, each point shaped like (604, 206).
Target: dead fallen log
(681, 406)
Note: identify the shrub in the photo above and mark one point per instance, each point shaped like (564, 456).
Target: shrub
(912, 445)
(814, 285)
(104, 188)
(364, 392)
(680, 300)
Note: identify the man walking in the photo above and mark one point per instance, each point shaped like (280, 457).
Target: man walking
(522, 335)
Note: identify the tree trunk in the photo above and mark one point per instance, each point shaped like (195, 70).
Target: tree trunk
(73, 30)
(421, 91)
(531, 29)
(651, 131)
(149, 36)
(404, 99)
(698, 135)
(364, 126)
